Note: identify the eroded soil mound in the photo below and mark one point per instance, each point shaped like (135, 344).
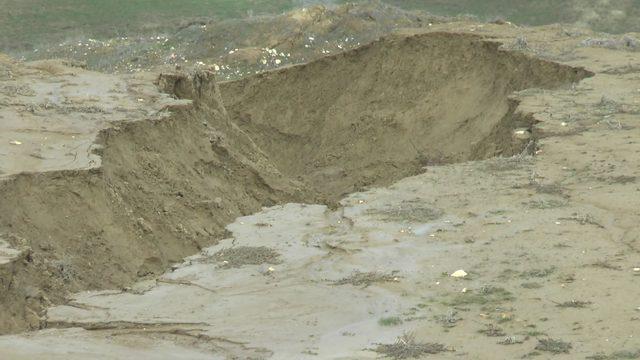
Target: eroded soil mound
(385, 110)
(167, 187)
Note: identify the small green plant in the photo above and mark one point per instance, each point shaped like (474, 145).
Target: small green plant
(390, 321)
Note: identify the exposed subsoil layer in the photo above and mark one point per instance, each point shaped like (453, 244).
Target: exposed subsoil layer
(310, 133)
(385, 110)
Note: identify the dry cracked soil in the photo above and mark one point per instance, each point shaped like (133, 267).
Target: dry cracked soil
(461, 191)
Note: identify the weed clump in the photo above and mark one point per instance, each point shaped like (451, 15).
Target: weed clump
(390, 321)
(574, 304)
(553, 346)
(448, 320)
(406, 347)
(492, 331)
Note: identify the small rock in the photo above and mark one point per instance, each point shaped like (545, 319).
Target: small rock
(522, 134)
(143, 225)
(459, 274)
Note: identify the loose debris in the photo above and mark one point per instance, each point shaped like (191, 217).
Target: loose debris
(246, 255)
(583, 220)
(406, 347)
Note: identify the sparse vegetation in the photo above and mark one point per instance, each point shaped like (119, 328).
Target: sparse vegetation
(583, 220)
(553, 346)
(406, 347)
(492, 331)
(366, 278)
(449, 319)
(505, 317)
(550, 189)
(574, 304)
(390, 321)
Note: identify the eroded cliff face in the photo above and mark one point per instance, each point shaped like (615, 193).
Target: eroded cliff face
(168, 185)
(383, 111)
(165, 189)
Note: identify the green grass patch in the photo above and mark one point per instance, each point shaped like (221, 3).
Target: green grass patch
(390, 321)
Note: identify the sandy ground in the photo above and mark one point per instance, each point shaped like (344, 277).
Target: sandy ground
(52, 113)
(548, 245)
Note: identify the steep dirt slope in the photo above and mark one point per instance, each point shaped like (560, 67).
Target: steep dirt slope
(166, 188)
(387, 109)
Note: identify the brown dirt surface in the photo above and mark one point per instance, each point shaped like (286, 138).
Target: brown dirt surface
(154, 184)
(107, 182)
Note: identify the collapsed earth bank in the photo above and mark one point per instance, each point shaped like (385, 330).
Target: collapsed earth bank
(308, 133)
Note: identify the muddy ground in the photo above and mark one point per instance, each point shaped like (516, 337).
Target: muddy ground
(329, 204)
